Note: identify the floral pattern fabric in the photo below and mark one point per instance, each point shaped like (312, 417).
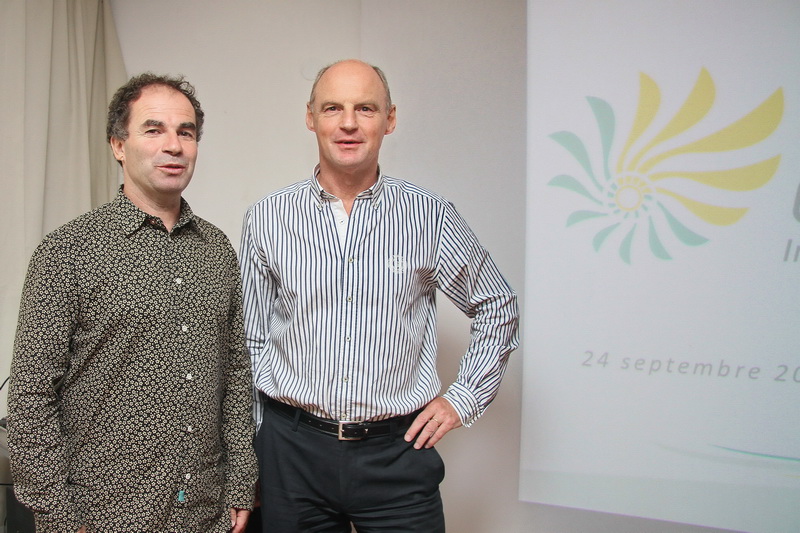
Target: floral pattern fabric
(131, 391)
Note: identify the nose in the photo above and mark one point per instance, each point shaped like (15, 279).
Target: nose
(172, 144)
(349, 122)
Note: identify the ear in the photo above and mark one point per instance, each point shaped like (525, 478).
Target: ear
(309, 118)
(118, 148)
(391, 120)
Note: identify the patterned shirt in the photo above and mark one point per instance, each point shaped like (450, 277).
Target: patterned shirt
(131, 393)
(346, 328)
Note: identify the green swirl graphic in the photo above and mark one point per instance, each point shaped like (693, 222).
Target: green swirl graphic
(639, 189)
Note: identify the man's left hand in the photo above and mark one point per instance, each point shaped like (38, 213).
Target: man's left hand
(239, 520)
(438, 417)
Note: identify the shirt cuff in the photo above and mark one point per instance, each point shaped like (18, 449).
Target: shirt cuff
(464, 402)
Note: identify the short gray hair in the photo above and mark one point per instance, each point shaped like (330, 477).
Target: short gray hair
(377, 70)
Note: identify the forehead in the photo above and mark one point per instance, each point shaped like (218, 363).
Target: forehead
(350, 81)
(164, 103)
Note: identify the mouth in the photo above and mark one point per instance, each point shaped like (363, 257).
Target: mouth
(172, 168)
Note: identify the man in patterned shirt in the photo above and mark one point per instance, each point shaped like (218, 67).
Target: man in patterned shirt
(131, 391)
(340, 274)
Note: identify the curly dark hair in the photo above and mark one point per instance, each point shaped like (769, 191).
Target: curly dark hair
(119, 110)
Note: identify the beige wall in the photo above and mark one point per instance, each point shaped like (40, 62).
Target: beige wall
(457, 73)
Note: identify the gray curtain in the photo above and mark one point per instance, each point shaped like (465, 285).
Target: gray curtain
(60, 64)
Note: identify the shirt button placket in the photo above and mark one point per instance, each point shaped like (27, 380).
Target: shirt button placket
(189, 429)
(347, 348)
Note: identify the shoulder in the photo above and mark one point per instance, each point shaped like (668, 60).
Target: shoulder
(399, 190)
(274, 208)
(72, 247)
(209, 230)
(297, 190)
(211, 233)
(85, 228)
(420, 202)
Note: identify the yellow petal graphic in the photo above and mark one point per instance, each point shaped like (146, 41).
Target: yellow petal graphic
(748, 130)
(713, 214)
(745, 178)
(696, 106)
(649, 102)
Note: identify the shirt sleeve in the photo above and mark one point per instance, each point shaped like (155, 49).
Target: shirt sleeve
(237, 422)
(258, 296)
(47, 319)
(467, 275)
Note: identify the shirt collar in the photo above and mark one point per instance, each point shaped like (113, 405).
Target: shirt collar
(132, 219)
(321, 196)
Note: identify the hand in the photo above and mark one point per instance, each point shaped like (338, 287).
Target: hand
(82, 529)
(239, 520)
(438, 417)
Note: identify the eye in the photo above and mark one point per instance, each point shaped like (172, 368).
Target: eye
(188, 134)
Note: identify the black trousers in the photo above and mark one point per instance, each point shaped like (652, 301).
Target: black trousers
(313, 482)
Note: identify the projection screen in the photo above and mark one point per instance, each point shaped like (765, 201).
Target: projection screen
(662, 364)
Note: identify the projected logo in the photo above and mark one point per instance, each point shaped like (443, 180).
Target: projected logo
(637, 190)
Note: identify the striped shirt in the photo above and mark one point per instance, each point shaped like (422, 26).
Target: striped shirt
(345, 328)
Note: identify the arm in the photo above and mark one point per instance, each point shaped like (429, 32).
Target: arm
(37, 441)
(467, 275)
(258, 295)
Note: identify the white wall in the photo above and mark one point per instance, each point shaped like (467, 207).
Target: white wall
(457, 71)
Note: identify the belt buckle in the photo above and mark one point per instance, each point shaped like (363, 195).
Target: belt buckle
(343, 423)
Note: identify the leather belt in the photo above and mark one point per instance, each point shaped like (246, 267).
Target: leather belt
(343, 430)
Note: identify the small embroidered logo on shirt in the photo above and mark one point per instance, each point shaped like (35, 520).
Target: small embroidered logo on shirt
(397, 264)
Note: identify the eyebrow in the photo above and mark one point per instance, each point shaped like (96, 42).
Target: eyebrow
(150, 123)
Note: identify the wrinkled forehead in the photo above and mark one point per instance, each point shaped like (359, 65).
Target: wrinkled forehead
(158, 103)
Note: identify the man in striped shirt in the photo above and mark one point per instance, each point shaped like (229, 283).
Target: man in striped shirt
(340, 276)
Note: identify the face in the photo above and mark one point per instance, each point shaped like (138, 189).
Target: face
(350, 118)
(159, 154)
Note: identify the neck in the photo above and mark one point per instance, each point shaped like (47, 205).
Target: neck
(346, 185)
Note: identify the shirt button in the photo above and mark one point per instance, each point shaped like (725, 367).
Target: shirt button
(189, 377)
(189, 429)
(184, 328)
(178, 281)
(188, 477)
(345, 379)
